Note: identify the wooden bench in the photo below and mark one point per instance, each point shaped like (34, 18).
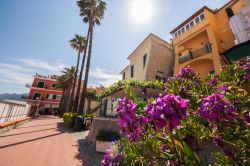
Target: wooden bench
(13, 123)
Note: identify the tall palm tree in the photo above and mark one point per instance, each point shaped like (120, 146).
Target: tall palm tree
(78, 43)
(92, 12)
(80, 74)
(65, 83)
(62, 86)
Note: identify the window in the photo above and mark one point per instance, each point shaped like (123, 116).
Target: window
(179, 32)
(54, 97)
(144, 60)
(40, 84)
(159, 78)
(175, 35)
(58, 97)
(187, 27)
(197, 20)
(123, 75)
(191, 24)
(36, 96)
(182, 30)
(202, 17)
(50, 96)
(132, 71)
(212, 72)
(53, 85)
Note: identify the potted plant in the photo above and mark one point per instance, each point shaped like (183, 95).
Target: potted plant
(105, 138)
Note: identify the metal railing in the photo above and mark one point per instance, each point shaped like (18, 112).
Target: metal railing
(10, 112)
(191, 55)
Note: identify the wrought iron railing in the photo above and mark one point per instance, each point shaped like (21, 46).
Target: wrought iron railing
(191, 55)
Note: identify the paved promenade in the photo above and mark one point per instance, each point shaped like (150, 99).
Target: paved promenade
(42, 142)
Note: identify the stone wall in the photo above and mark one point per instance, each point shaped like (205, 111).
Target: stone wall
(108, 123)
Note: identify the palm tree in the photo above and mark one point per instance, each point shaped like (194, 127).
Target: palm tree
(91, 96)
(62, 85)
(80, 75)
(65, 83)
(78, 43)
(92, 12)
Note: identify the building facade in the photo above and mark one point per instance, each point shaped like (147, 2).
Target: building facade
(200, 40)
(240, 24)
(44, 94)
(151, 60)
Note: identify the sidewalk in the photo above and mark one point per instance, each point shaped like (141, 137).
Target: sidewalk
(42, 142)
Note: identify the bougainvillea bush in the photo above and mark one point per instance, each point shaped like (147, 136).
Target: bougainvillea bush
(162, 131)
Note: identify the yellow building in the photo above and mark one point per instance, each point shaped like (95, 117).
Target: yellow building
(199, 40)
(151, 60)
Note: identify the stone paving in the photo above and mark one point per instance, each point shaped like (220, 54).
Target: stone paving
(46, 142)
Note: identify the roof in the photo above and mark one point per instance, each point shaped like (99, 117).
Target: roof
(16, 102)
(151, 34)
(124, 69)
(45, 78)
(198, 12)
(191, 17)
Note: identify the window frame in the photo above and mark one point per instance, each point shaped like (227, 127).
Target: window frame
(179, 32)
(40, 82)
(50, 96)
(53, 86)
(36, 97)
(183, 30)
(202, 18)
(187, 26)
(197, 20)
(144, 60)
(175, 35)
(123, 75)
(192, 22)
(58, 97)
(132, 71)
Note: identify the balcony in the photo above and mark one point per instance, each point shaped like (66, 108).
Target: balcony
(197, 53)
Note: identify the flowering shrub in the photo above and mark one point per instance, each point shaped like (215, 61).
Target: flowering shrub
(215, 109)
(129, 122)
(189, 114)
(167, 111)
(112, 156)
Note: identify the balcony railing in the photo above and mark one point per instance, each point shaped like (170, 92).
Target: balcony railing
(191, 55)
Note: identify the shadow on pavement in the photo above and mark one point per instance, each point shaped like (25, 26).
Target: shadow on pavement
(35, 126)
(27, 132)
(86, 151)
(30, 140)
(92, 157)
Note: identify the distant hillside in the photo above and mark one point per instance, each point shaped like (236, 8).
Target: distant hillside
(13, 96)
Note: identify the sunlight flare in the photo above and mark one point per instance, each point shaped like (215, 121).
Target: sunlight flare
(141, 10)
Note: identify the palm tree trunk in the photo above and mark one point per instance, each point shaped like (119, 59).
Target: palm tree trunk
(74, 82)
(80, 76)
(61, 102)
(89, 106)
(66, 100)
(82, 101)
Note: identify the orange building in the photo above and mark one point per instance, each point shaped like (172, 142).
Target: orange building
(200, 40)
(44, 95)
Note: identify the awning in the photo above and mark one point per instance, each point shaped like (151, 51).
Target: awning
(54, 106)
(47, 105)
(237, 52)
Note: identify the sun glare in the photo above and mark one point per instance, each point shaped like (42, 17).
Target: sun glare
(141, 10)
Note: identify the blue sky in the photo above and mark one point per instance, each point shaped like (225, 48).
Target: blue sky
(34, 37)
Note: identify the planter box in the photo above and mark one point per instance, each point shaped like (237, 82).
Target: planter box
(101, 146)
